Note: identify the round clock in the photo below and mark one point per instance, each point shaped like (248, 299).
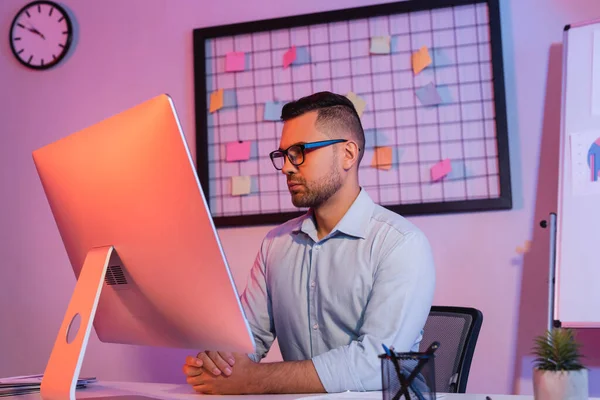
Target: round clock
(41, 34)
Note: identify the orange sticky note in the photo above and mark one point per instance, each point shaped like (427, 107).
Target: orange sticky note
(359, 102)
(235, 61)
(240, 185)
(382, 158)
(420, 59)
(289, 57)
(441, 169)
(238, 151)
(216, 100)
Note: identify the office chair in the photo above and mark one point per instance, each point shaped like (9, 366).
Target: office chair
(457, 330)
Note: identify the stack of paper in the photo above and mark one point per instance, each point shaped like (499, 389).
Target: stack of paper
(18, 385)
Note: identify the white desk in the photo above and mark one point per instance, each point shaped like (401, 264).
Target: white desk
(129, 390)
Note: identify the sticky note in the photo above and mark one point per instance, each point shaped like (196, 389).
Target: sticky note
(380, 45)
(428, 95)
(359, 102)
(240, 185)
(289, 57)
(237, 151)
(273, 111)
(441, 169)
(382, 158)
(525, 248)
(235, 61)
(216, 100)
(420, 59)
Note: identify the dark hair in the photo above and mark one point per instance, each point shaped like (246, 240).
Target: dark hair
(335, 112)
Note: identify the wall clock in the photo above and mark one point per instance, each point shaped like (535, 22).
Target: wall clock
(41, 34)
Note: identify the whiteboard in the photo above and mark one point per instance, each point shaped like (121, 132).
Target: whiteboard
(577, 284)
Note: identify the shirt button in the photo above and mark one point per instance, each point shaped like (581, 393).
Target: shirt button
(313, 284)
(317, 247)
(316, 326)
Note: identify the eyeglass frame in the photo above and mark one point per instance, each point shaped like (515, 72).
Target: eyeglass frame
(303, 147)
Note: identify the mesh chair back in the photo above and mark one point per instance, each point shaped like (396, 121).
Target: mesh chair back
(457, 330)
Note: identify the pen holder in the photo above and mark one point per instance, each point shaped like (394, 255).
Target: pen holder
(409, 376)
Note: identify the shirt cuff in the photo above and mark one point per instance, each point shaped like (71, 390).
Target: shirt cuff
(335, 373)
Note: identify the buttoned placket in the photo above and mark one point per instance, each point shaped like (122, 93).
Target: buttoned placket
(312, 300)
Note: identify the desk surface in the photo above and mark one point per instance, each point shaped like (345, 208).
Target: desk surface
(140, 391)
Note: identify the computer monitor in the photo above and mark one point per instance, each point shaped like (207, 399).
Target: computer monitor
(140, 239)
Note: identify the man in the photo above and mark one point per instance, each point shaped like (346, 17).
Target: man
(332, 285)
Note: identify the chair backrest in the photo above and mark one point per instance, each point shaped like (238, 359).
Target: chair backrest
(457, 330)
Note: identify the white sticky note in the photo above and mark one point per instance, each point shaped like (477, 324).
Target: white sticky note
(240, 185)
(596, 74)
(585, 163)
(359, 102)
(380, 45)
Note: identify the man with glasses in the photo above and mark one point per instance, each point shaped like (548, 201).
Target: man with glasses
(332, 285)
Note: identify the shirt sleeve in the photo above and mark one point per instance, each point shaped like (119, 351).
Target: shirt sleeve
(399, 304)
(256, 303)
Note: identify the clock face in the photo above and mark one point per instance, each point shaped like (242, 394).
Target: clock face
(41, 34)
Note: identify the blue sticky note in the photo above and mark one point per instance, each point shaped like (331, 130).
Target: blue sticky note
(273, 111)
(428, 95)
(440, 57)
(302, 56)
(229, 98)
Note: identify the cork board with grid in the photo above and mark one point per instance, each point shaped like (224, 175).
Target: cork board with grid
(436, 136)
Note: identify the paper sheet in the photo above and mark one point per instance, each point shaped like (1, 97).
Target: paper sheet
(216, 100)
(359, 102)
(380, 45)
(273, 111)
(238, 151)
(441, 169)
(240, 185)
(373, 395)
(235, 61)
(596, 74)
(420, 60)
(289, 57)
(428, 95)
(585, 163)
(382, 158)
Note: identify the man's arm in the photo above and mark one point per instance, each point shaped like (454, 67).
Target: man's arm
(396, 312)
(286, 377)
(256, 303)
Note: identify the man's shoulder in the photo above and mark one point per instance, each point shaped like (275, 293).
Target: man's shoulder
(393, 223)
(286, 229)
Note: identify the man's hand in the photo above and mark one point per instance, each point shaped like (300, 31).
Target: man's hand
(211, 361)
(209, 373)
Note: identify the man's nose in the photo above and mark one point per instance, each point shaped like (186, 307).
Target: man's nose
(288, 167)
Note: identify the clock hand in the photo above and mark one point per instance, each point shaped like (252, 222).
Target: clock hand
(31, 28)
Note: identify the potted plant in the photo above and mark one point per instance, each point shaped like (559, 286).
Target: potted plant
(558, 373)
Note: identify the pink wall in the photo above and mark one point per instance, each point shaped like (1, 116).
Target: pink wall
(128, 51)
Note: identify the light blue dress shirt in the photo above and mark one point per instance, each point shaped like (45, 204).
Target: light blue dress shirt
(336, 300)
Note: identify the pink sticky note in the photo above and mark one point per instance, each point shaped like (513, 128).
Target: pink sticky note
(235, 61)
(441, 169)
(238, 151)
(289, 57)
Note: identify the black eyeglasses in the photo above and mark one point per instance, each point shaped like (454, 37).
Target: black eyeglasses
(295, 153)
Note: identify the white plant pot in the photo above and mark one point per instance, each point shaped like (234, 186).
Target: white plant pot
(560, 385)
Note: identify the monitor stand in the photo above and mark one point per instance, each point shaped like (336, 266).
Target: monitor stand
(62, 371)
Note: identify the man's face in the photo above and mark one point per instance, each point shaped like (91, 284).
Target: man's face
(319, 176)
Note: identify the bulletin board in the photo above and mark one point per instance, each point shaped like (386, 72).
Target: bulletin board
(426, 77)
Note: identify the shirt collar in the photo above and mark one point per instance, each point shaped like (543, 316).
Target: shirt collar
(354, 223)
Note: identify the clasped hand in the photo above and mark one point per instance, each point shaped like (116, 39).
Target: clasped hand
(211, 372)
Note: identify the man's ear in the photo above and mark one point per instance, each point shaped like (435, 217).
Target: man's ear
(351, 154)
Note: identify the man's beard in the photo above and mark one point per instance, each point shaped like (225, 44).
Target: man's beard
(318, 192)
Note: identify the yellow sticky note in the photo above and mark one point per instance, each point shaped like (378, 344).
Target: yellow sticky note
(359, 102)
(380, 45)
(526, 247)
(216, 100)
(240, 185)
(420, 59)
(382, 158)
